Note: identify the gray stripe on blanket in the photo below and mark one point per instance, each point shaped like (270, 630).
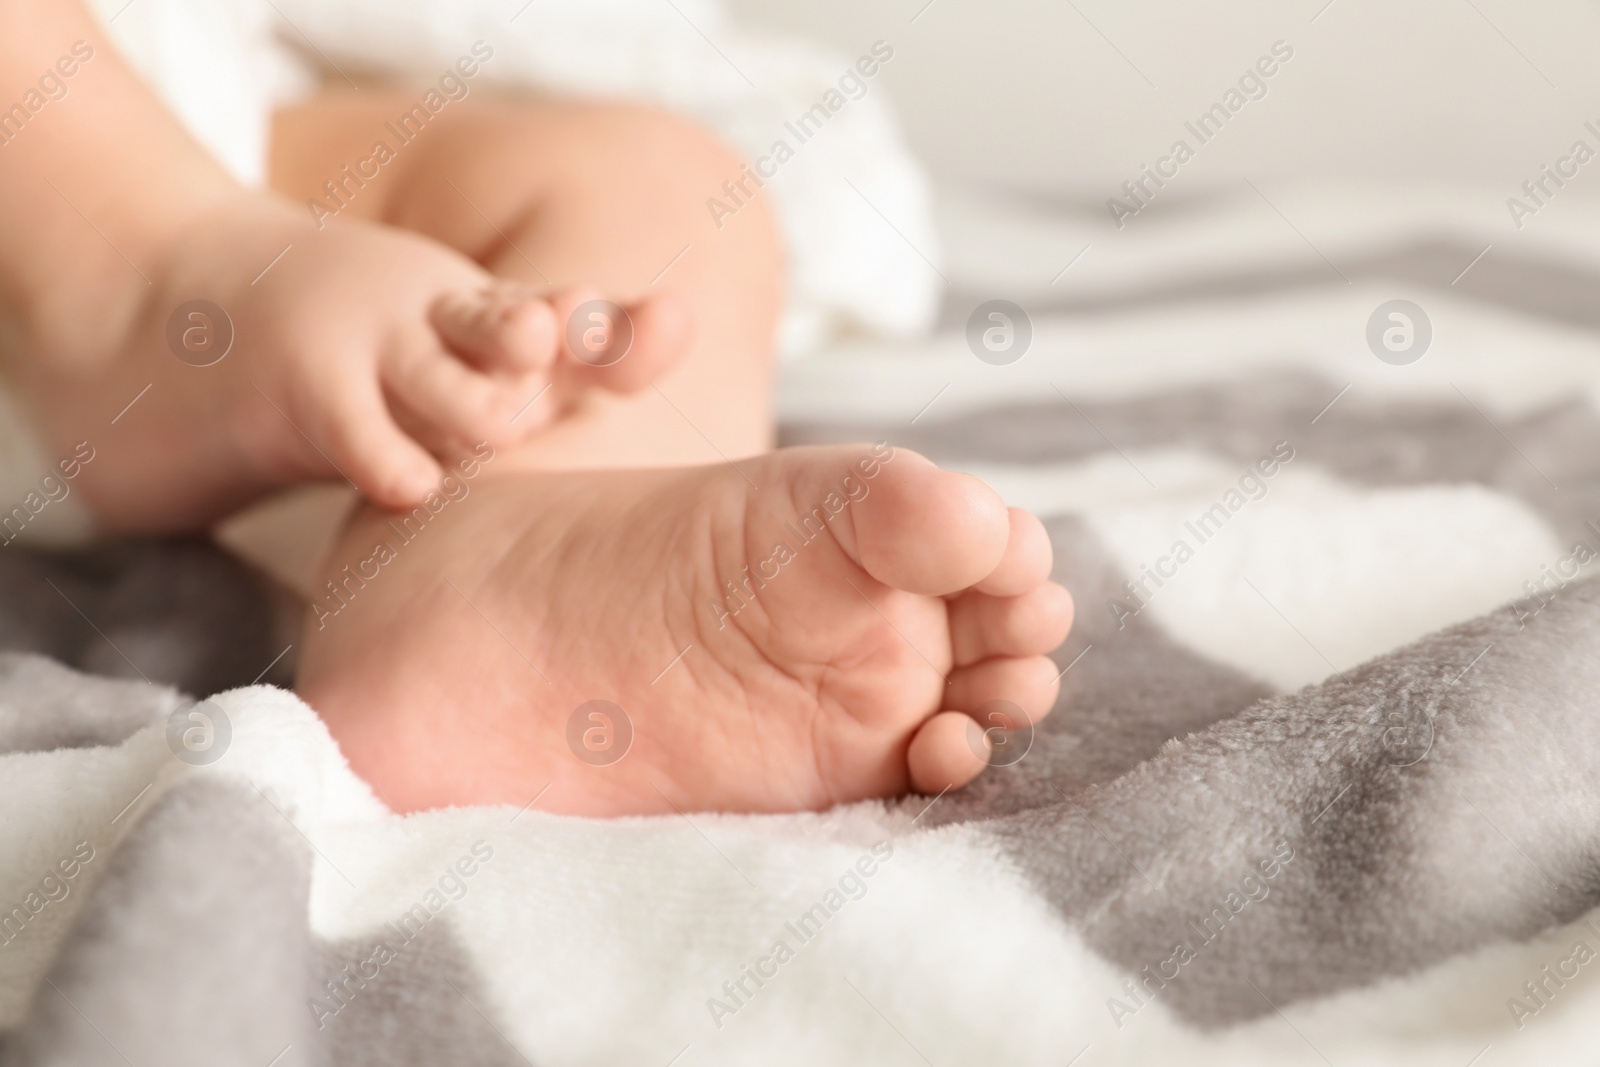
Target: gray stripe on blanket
(424, 1008)
(193, 949)
(1550, 457)
(1545, 287)
(1407, 811)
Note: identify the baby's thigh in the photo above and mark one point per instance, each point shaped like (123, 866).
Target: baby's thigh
(492, 169)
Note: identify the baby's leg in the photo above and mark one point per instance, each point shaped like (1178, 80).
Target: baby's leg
(557, 194)
(563, 193)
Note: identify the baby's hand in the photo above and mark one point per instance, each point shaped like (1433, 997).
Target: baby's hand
(361, 351)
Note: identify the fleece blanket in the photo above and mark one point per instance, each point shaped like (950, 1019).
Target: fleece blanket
(1320, 787)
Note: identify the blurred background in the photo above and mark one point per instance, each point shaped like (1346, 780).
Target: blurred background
(1066, 98)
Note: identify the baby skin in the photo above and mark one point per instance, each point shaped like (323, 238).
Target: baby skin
(215, 343)
(811, 627)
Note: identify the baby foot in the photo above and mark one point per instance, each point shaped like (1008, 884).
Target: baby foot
(815, 626)
(360, 352)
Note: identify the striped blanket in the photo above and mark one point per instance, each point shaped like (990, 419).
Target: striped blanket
(1323, 473)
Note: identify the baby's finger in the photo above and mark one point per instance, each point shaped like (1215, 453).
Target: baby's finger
(367, 446)
(500, 328)
(948, 751)
(453, 403)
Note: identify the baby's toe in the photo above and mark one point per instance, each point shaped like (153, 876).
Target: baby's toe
(913, 526)
(1032, 624)
(948, 751)
(1027, 561)
(1029, 682)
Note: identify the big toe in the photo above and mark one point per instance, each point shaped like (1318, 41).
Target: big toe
(918, 528)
